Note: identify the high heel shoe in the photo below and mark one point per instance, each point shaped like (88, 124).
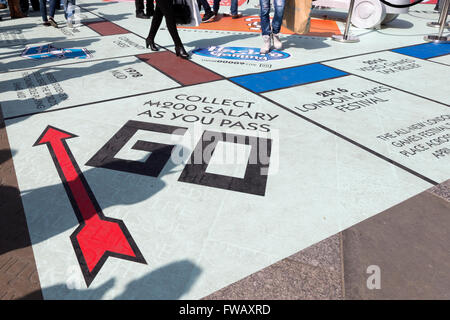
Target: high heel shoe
(180, 52)
(150, 43)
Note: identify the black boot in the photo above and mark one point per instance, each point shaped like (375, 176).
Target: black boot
(180, 52)
(141, 15)
(149, 43)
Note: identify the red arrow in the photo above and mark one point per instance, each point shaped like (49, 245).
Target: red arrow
(97, 237)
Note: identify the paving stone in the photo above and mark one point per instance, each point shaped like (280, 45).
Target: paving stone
(442, 190)
(409, 244)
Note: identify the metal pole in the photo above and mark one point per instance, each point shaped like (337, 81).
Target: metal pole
(346, 37)
(439, 38)
(437, 24)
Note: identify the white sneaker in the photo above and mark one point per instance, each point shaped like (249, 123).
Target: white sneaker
(267, 44)
(276, 42)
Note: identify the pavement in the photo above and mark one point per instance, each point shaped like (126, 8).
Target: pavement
(319, 172)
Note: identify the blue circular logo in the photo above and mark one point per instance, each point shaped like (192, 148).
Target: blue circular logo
(240, 53)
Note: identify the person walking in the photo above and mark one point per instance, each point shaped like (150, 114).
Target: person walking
(270, 32)
(50, 21)
(164, 8)
(209, 15)
(140, 9)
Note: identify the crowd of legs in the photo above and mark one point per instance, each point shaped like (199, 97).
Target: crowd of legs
(159, 9)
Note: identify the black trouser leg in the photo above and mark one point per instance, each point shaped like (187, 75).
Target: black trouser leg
(150, 8)
(165, 8)
(156, 22)
(139, 6)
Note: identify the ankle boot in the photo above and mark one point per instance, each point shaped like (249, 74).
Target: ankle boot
(149, 43)
(277, 42)
(267, 44)
(180, 52)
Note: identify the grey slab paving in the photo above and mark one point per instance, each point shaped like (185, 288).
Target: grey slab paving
(442, 190)
(409, 244)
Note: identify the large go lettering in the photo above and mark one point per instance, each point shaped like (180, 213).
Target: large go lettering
(195, 170)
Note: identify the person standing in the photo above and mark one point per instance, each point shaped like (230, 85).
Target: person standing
(50, 21)
(233, 9)
(15, 10)
(270, 32)
(140, 9)
(164, 8)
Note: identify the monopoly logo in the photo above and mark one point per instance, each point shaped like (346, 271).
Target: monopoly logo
(240, 53)
(48, 51)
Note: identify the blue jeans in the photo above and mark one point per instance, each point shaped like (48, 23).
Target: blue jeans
(43, 9)
(233, 9)
(277, 18)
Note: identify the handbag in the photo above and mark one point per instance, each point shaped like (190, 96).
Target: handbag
(182, 12)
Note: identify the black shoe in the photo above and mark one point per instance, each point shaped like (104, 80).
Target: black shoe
(141, 15)
(208, 17)
(180, 52)
(52, 22)
(149, 43)
(149, 13)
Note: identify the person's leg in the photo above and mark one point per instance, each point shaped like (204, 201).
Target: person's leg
(167, 10)
(278, 16)
(24, 6)
(205, 5)
(43, 9)
(209, 15)
(52, 8)
(266, 30)
(150, 8)
(156, 22)
(234, 7)
(276, 23)
(216, 6)
(52, 13)
(14, 9)
(139, 4)
(265, 17)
